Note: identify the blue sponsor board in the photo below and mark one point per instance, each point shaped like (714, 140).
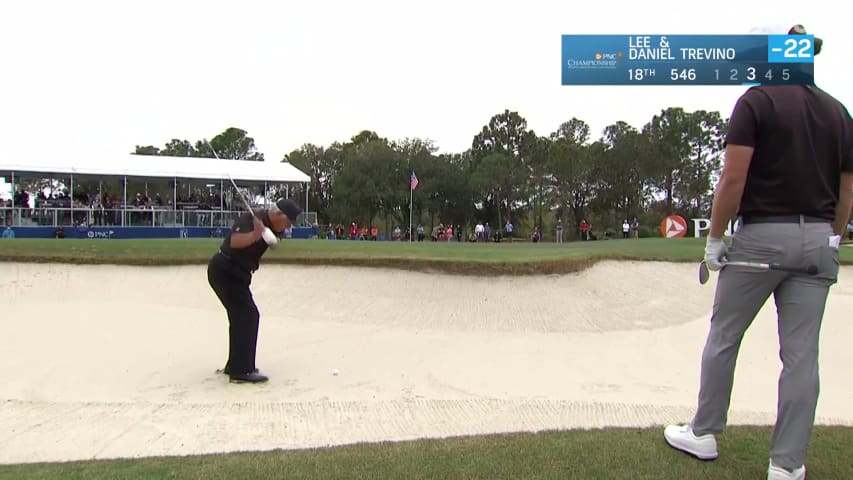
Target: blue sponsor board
(126, 233)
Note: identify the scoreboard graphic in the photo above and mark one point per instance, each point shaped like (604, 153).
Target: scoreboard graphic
(688, 59)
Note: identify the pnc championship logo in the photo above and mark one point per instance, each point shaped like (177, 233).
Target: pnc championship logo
(608, 56)
(673, 226)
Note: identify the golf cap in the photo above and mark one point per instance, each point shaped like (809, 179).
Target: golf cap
(801, 30)
(777, 29)
(289, 208)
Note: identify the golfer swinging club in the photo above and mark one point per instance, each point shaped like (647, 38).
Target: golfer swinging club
(229, 273)
(788, 174)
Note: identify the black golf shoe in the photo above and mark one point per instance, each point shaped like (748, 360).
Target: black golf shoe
(228, 372)
(251, 377)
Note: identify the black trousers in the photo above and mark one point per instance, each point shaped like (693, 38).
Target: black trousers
(231, 284)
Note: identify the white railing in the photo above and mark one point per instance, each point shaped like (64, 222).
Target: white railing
(130, 217)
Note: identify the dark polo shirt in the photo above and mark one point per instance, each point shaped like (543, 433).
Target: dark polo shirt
(803, 140)
(248, 258)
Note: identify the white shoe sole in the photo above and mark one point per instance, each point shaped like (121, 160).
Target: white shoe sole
(686, 449)
(776, 472)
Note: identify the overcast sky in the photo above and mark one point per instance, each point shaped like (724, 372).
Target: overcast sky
(99, 77)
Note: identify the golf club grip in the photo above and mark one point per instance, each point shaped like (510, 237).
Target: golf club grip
(810, 270)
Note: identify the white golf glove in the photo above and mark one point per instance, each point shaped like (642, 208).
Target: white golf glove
(835, 241)
(269, 237)
(715, 252)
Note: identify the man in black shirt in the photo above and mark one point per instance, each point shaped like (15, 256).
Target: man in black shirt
(229, 273)
(788, 176)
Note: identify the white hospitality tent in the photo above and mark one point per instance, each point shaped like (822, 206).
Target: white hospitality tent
(160, 166)
(133, 166)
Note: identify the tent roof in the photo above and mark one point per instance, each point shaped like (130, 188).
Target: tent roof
(159, 166)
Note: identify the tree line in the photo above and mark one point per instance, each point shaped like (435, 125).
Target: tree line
(510, 172)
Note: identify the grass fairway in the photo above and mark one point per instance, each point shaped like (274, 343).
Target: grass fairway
(504, 258)
(596, 454)
(521, 258)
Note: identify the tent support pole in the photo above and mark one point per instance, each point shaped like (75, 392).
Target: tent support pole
(71, 200)
(13, 200)
(124, 204)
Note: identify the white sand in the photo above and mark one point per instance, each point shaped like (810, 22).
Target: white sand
(418, 355)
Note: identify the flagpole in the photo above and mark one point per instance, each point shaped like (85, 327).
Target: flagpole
(413, 183)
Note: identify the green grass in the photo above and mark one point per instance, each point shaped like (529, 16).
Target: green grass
(193, 250)
(593, 454)
(505, 258)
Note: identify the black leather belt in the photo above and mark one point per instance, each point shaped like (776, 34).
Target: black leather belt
(236, 263)
(782, 219)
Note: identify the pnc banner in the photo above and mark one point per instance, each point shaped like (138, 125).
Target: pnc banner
(675, 226)
(120, 233)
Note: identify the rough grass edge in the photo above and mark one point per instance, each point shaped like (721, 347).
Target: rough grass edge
(424, 265)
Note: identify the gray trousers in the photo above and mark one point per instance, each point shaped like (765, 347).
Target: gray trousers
(800, 304)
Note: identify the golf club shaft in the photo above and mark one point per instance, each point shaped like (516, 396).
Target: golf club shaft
(705, 274)
(211, 149)
(243, 197)
(770, 266)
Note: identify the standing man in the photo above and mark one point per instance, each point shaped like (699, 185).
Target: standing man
(8, 232)
(229, 273)
(788, 174)
(559, 231)
(585, 226)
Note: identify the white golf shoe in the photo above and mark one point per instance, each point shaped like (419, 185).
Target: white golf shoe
(681, 437)
(779, 473)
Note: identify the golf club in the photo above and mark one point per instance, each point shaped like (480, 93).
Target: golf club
(211, 149)
(268, 235)
(705, 274)
(242, 196)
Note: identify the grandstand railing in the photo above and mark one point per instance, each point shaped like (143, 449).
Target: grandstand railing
(130, 217)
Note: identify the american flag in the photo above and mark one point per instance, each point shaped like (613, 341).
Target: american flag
(414, 180)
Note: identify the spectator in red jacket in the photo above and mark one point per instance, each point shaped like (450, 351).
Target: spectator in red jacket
(585, 227)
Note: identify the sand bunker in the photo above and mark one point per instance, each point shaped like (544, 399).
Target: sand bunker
(103, 361)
